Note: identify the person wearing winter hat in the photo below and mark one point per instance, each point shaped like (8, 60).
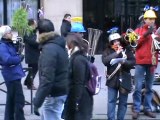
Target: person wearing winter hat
(12, 73)
(53, 72)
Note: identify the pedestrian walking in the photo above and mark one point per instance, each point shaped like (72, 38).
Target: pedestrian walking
(53, 73)
(118, 59)
(66, 25)
(32, 53)
(12, 73)
(79, 103)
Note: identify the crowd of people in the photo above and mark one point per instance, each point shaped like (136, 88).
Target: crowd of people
(62, 63)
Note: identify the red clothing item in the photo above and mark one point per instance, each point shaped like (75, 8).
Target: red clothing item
(143, 52)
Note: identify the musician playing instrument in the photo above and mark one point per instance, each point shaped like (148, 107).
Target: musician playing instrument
(146, 61)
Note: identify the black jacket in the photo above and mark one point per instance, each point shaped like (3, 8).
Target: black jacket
(31, 49)
(108, 55)
(65, 28)
(53, 68)
(78, 93)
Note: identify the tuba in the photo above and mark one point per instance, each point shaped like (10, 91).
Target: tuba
(93, 38)
(131, 37)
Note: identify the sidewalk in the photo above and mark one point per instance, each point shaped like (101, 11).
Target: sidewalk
(100, 100)
(101, 115)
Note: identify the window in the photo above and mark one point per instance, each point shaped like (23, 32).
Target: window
(12, 5)
(1, 12)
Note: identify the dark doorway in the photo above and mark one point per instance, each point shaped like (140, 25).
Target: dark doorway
(105, 14)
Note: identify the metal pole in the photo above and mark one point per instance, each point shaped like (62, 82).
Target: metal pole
(126, 13)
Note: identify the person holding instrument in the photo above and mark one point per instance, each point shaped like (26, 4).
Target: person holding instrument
(12, 73)
(146, 62)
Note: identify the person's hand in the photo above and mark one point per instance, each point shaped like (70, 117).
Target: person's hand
(150, 29)
(36, 111)
(120, 49)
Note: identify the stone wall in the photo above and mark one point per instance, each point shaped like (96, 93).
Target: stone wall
(55, 10)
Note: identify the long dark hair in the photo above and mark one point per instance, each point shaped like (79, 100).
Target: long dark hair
(75, 40)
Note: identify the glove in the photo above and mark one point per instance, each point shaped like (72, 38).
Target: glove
(36, 112)
(21, 57)
(149, 31)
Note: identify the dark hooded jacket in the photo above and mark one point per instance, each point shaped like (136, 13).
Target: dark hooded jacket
(78, 93)
(124, 71)
(53, 68)
(31, 48)
(65, 28)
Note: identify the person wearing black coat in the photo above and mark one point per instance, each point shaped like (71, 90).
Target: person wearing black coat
(32, 53)
(66, 25)
(79, 103)
(120, 82)
(53, 73)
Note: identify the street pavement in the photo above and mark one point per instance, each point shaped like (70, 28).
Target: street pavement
(100, 100)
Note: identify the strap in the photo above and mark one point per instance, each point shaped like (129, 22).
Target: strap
(114, 72)
(153, 50)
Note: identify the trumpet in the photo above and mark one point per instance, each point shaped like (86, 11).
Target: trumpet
(131, 37)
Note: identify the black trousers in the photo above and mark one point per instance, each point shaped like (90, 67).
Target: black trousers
(15, 101)
(29, 81)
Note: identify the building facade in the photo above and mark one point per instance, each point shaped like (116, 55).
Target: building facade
(98, 14)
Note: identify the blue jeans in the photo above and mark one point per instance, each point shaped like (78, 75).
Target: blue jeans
(140, 71)
(122, 105)
(52, 108)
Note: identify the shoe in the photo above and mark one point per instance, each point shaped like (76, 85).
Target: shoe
(135, 115)
(31, 87)
(150, 114)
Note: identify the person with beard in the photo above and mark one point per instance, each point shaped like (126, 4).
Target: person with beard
(53, 73)
(12, 73)
(66, 25)
(118, 73)
(32, 53)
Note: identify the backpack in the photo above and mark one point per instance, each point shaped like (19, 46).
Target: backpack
(155, 100)
(94, 82)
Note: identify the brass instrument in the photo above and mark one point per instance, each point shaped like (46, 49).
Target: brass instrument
(93, 38)
(19, 44)
(131, 37)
